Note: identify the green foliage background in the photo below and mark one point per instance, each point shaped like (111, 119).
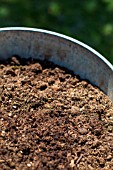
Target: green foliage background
(90, 21)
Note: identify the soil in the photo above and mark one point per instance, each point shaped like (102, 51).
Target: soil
(51, 119)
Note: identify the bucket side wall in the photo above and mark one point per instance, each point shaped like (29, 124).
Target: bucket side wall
(61, 51)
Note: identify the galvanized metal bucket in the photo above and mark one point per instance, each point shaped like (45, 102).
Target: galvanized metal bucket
(62, 50)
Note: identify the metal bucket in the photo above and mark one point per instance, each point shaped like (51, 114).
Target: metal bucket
(60, 49)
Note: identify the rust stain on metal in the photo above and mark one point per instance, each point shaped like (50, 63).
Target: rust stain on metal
(48, 54)
(101, 84)
(62, 54)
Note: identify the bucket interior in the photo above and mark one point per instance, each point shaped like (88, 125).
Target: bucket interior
(60, 49)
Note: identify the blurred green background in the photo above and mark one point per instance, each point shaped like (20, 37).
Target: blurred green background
(90, 21)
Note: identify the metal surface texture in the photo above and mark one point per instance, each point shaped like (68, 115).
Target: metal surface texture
(60, 49)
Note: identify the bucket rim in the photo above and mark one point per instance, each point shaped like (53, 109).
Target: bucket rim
(31, 29)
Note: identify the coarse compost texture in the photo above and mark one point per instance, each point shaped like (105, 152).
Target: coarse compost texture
(51, 119)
